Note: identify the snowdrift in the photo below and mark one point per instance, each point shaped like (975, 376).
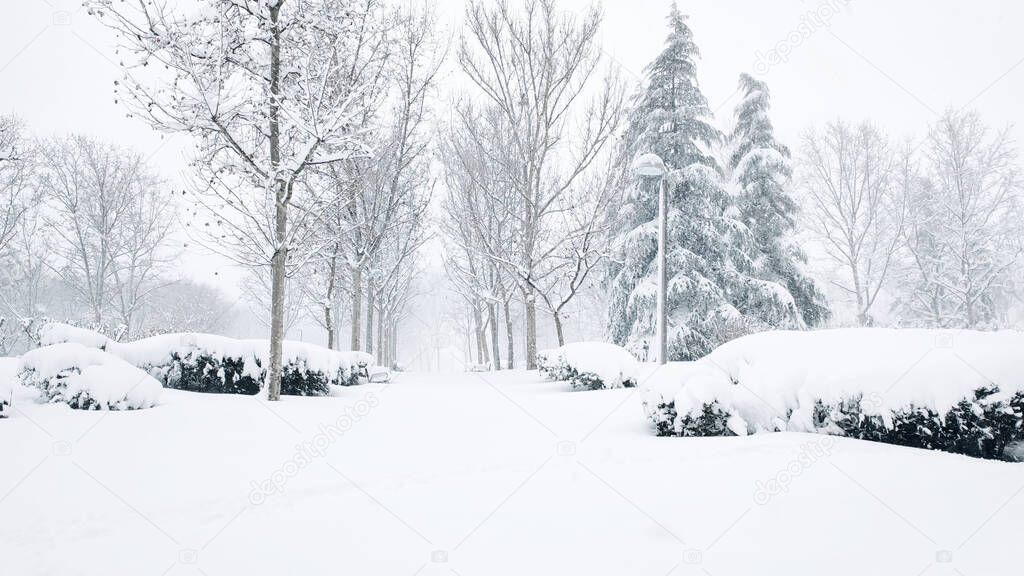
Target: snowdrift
(218, 364)
(87, 378)
(590, 366)
(957, 391)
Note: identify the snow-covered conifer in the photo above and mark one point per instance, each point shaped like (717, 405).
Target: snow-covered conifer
(761, 171)
(713, 293)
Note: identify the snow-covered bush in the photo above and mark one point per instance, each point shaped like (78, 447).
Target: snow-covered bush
(58, 333)
(87, 378)
(956, 391)
(209, 363)
(218, 364)
(590, 366)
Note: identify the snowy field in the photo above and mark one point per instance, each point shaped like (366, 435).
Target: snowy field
(478, 475)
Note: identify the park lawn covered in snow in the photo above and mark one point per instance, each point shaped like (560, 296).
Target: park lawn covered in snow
(478, 474)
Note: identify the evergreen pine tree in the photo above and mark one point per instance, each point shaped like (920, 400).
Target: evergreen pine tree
(761, 171)
(713, 294)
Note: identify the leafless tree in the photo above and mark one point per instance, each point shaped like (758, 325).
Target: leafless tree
(110, 217)
(381, 190)
(263, 87)
(534, 66)
(963, 234)
(584, 245)
(17, 163)
(855, 207)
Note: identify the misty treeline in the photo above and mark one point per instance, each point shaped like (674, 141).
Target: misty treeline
(339, 147)
(926, 232)
(86, 237)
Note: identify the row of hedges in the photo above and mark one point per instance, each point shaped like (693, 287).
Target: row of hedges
(242, 369)
(198, 371)
(221, 365)
(982, 425)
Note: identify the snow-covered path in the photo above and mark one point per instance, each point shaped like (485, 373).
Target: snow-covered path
(478, 475)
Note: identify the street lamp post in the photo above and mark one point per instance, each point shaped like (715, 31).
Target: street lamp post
(652, 166)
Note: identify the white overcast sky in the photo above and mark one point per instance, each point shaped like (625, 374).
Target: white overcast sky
(898, 63)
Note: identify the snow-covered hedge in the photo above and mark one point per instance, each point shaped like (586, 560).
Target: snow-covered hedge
(87, 378)
(590, 366)
(218, 364)
(956, 391)
(208, 363)
(58, 333)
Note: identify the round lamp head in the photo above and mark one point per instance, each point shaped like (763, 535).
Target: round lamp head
(650, 165)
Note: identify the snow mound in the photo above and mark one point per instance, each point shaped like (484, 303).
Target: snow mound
(961, 391)
(88, 378)
(590, 366)
(57, 333)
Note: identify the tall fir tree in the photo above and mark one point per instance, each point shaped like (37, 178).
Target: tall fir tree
(761, 171)
(712, 295)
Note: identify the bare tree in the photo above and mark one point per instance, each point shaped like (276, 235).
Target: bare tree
(263, 88)
(963, 234)
(533, 66)
(28, 292)
(855, 207)
(584, 246)
(396, 272)
(478, 222)
(111, 222)
(17, 161)
(381, 190)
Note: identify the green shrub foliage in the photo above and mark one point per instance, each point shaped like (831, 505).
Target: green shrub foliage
(982, 425)
(200, 372)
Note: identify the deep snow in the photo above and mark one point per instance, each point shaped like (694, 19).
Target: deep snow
(474, 475)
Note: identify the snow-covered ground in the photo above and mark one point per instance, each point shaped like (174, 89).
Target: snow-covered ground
(474, 475)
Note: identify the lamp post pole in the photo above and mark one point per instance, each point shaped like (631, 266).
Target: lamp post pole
(662, 269)
(652, 166)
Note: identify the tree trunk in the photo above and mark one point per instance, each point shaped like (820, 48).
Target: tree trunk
(510, 338)
(369, 314)
(382, 353)
(492, 318)
(558, 327)
(481, 338)
(530, 302)
(393, 345)
(281, 218)
(329, 299)
(357, 302)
